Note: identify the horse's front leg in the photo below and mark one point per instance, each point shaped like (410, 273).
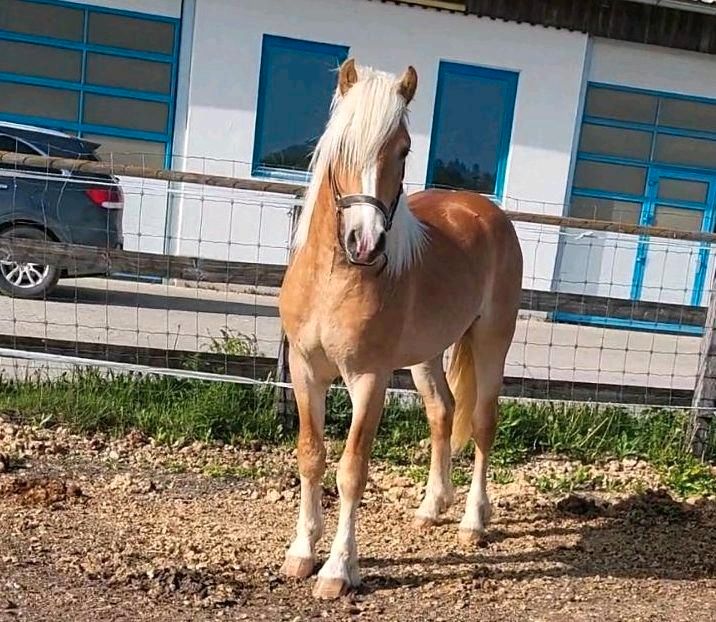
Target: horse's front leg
(310, 386)
(340, 572)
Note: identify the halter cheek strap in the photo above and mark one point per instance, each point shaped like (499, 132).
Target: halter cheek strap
(349, 200)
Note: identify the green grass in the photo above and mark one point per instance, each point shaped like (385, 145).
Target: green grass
(575, 480)
(235, 344)
(182, 410)
(169, 409)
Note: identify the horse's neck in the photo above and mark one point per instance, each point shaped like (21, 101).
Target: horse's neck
(322, 241)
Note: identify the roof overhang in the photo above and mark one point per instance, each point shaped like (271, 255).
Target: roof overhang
(680, 24)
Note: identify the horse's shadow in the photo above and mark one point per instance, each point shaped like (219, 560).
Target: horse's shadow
(644, 536)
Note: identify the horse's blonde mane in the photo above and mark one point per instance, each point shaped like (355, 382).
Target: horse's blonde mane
(360, 123)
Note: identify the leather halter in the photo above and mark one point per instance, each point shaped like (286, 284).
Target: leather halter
(349, 200)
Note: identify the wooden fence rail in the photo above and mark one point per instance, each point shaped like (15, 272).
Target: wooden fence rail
(53, 167)
(115, 261)
(17, 161)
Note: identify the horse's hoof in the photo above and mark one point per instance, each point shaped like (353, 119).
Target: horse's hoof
(423, 522)
(297, 567)
(330, 589)
(471, 537)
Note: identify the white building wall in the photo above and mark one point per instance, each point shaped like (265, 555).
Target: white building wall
(602, 264)
(223, 89)
(653, 67)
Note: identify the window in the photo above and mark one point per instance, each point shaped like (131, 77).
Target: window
(296, 85)
(42, 19)
(609, 177)
(472, 123)
(91, 72)
(606, 209)
(13, 145)
(8, 143)
(627, 137)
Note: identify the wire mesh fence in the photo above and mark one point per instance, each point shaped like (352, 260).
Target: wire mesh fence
(123, 267)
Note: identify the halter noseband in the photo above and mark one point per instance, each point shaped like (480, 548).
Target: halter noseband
(349, 200)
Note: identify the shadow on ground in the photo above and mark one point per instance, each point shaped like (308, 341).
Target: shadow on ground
(645, 536)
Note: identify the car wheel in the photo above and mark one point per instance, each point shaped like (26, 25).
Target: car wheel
(26, 280)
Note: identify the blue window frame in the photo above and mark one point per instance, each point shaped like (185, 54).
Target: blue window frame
(472, 125)
(627, 132)
(104, 74)
(634, 145)
(296, 84)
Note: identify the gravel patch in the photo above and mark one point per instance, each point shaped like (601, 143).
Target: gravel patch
(102, 529)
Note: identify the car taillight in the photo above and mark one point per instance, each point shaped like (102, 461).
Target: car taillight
(109, 198)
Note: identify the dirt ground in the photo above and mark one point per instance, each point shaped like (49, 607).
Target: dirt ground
(93, 529)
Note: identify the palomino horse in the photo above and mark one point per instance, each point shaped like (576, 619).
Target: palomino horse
(378, 282)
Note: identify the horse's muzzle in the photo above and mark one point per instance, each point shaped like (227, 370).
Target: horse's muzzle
(363, 252)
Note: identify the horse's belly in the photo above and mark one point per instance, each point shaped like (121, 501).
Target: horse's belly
(428, 343)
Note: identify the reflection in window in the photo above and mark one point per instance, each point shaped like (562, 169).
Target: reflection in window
(471, 128)
(296, 85)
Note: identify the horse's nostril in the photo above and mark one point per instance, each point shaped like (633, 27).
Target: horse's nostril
(351, 240)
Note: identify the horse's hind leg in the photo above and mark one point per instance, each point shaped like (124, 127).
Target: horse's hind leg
(310, 389)
(429, 379)
(490, 346)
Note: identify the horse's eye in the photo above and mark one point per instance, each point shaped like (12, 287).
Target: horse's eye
(404, 153)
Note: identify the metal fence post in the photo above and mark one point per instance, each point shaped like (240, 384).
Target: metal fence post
(704, 400)
(285, 402)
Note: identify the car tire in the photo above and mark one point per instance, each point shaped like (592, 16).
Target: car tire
(26, 280)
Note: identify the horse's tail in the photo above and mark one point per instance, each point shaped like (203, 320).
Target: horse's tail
(461, 379)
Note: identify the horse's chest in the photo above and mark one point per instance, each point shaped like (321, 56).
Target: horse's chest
(326, 325)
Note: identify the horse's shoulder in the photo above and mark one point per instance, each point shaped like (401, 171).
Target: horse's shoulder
(439, 203)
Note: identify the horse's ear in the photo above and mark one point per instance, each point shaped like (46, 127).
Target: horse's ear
(408, 84)
(347, 75)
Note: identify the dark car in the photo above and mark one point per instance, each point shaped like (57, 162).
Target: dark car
(59, 205)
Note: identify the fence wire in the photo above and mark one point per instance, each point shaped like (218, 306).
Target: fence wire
(609, 314)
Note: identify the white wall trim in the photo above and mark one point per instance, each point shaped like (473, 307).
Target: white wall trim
(182, 116)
